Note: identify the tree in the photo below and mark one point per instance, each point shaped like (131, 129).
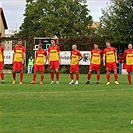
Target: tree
(63, 18)
(117, 21)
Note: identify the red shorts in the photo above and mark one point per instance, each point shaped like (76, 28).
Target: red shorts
(94, 67)
(17, 66)
(129, 68)
(74, 68)
(111, 66)
(54, 64)
(1, 65)
(38, 68)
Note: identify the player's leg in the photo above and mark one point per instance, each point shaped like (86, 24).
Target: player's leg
(108, 77)
(77, 78)
(71, 75)
(76, 71)
(52, 76)
(98, 76)
(41, 78)
(129, 78)
(89, 76)
(57, 75)
(108, 68)
(52, 72)
(42, 74)
(128, 75)
(2, 76)
(116, 77)
(21, 76)
(56, 67)
(20, 68)
(97, 68)
(1, 72)
(14, 76)
(89, 73)
(14, 72)
(34, 74)
(115, 73)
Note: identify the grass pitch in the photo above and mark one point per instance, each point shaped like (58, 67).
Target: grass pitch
(64, 108)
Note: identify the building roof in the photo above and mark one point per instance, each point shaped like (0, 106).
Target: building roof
(95, 24)
(3, 18)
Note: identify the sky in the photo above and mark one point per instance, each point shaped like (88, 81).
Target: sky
(14, 10)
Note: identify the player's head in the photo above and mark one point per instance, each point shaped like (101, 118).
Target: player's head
(19, 42)
(39, 46)
(31, 57)
(108, 43)
(130, 46)
(53, 41)
(74, 46)
(96, 46)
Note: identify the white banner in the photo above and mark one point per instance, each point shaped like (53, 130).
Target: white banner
(65, 57)
(8, 57)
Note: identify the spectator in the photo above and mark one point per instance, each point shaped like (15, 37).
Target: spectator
(30, 64)
(120, 61)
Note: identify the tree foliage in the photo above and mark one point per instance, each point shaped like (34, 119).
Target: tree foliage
(63, 18)
(117, 21)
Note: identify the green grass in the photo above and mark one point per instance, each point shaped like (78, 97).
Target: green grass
(64, 108)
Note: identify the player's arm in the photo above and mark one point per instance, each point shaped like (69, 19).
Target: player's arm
(116, 58)
(124, 56)
(80, 57)
(104, 59)
(90, 57)
(101, 57)
(46, 58)
(24, 56)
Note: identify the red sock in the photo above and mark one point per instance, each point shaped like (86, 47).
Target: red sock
(14, 75)
(71, 76)
(116, 76)
(108, 77)
(98, 77)
(2, 76)
(57, 76)
(21, 76)
(52, 76)
(77, 76)
(129, 77)
(89, 76)
(42, 77)
(34, 76)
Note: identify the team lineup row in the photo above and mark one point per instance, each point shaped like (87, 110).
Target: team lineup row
(108, 56)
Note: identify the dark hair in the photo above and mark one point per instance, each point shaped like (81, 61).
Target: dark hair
(108, 41)
(19, 40)
(40, 44)
(53, 39)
